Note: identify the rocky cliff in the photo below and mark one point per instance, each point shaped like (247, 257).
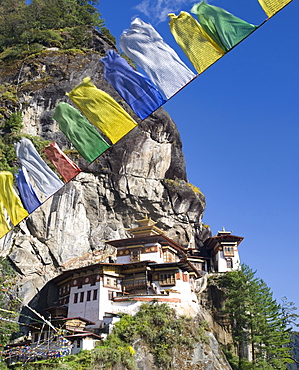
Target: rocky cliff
(143, 174)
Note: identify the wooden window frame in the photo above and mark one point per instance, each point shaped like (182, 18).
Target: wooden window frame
(167, 278)
(228, 251)
(229, 263)
(135, 255)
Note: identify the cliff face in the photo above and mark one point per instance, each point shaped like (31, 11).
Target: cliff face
(143, 174)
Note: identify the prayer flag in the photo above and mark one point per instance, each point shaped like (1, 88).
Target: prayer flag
(144, 45)
(102, 110)
(271, 7)
(83, 135)
(45, 179)
(27, 193)
(223, 27)
(67, 168)
(10, 199)
(135, 88)
(195, 43)
(4, 227)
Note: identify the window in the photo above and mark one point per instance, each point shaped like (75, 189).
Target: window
(167, 279)
(229, 263)
(95, 294)
(115, 283)
(81, 296)
(228, 251)
(76, 298)
(110, 295)
(169, 256)
(88, 295)
(135, 255)
(108, 281)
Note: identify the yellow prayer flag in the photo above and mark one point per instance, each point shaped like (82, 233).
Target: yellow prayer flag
(271, 7)
(10, 199)
(102, 110)
(4, 228)
(201, 50)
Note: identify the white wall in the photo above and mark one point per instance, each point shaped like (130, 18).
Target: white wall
(105, 303)
(85, 343)
(152, 256)
(88, 343)
(123, 259)
(221, 261)
(87, 309)
(149, 256)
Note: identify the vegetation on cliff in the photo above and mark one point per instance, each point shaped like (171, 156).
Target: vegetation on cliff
(9, 306)
(10, 129)
(28, 28)
(259, 324)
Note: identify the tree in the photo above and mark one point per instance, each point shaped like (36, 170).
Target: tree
(289, 314)
(257, 321)
(26, 28)
(12, 21)
(56, 14)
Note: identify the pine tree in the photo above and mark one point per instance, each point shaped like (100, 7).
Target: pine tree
(257, 321)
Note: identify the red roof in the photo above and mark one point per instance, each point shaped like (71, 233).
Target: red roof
(161, 238)
(212, 241)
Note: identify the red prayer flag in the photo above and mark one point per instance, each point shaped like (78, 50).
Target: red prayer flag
(67, 168)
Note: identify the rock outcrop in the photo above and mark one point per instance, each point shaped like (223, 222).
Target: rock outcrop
(206, 355)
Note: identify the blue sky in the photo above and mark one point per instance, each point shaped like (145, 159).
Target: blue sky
(239, 126)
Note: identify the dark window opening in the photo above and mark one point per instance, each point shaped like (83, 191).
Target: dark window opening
(81, 296)
(88, 295)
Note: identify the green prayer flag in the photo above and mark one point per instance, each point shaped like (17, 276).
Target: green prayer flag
(85, 138)
(224, 28)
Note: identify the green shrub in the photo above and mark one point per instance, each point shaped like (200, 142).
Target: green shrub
(10, 129)
(159, 328)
